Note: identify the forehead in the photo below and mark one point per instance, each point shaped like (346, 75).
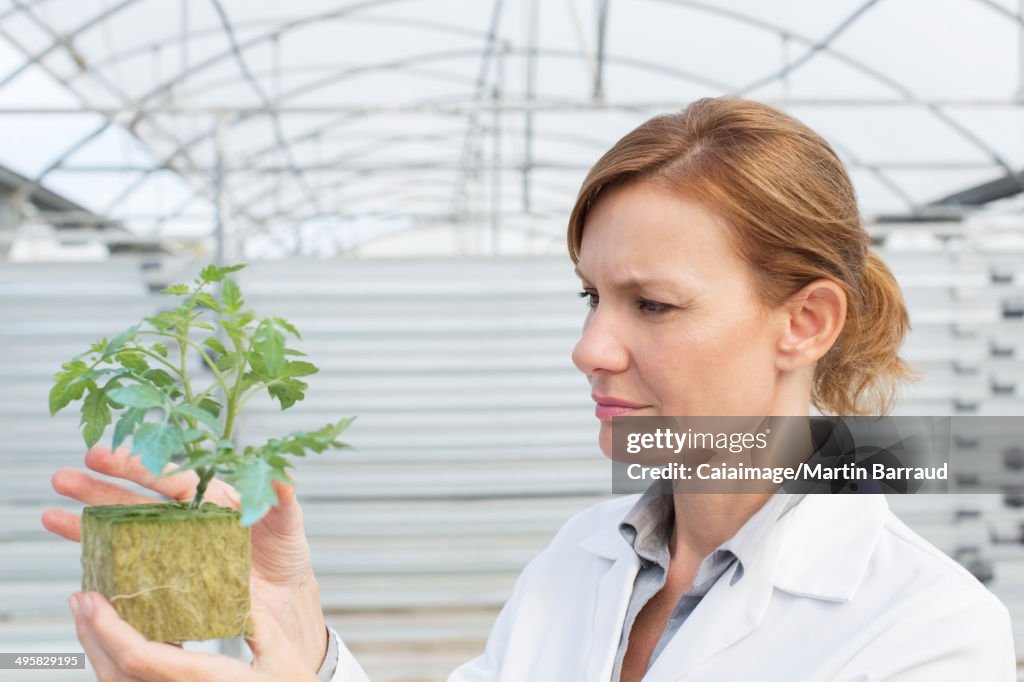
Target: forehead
(643, 230)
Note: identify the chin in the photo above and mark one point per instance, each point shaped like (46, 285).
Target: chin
(604, 439)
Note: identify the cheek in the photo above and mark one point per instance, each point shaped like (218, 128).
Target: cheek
(712, 368)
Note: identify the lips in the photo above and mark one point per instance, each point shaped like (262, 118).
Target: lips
(609, 406)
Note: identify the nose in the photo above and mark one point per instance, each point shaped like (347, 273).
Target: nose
(600, 347)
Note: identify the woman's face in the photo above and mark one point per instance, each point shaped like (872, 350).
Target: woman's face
(675, 327)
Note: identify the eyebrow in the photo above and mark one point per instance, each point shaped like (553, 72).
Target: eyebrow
(635, 283)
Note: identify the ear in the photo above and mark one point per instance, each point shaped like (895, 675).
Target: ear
(813, 319)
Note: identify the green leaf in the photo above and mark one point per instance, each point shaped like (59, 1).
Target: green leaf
(95, 415)
(299, 369)
(126, 424)
(198, 414)
(292, 351)
(267, 357)
(204, 299)
(227, 362)
(214, 343)
(132, 360)
(65, 390)
(192, 435)
(231, 295)
(176, 290)
(245, 318)
(234, 332)
(160, 349)
(287, 326)
(211, 406)
(248, 381)
(287, 391)
(298, 442)
(204, 458)
(62, 394)
(165, 321)
(254, 482)
(101, 372)
(139, 395)
(118, 341)
(159, 378)
(211, 273)
(157, 443)
(204, 325)
(327, 435)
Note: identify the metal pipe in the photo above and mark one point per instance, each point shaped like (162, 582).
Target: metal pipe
(220, 200)
(531, 94)
(463, 108)
(602, 32)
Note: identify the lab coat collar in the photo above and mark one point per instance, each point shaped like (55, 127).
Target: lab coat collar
(820, 549)
(825, 544)
(825, 552)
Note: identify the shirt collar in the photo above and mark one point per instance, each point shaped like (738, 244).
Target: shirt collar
(821, 549)
(647, 526)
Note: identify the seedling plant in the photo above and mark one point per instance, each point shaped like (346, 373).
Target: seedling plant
(170, 409)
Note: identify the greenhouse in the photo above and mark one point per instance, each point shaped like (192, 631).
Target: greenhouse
(398, 178)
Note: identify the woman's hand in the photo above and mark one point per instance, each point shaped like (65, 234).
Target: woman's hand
(118, 653)
(282, 584)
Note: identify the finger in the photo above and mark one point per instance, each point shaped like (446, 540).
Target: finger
(62, 523)
(136, 658)
(80, 486)
(285, 518)
(102, 664)
(285, 492)
(181, 486)
(123, 464)
(280, 550)
(272, 648)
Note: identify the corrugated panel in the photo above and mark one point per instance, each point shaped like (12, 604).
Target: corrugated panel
(475, 435)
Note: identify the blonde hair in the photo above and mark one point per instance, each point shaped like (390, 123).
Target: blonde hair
(793, 215)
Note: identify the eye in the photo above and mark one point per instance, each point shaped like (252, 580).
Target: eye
(592, 298)
(652, 307)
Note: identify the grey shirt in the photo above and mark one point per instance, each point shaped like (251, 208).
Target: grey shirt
(647, 528)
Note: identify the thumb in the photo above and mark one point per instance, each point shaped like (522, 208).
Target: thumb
(285, 518)
(285, 491)
(280, 551)
(273, 650)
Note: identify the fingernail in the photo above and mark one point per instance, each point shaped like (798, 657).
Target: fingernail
(73, 605)
(86, 605)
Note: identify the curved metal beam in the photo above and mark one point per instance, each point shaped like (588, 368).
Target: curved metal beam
(420, 58)
(436, 26)
(902, 90)
(390, 142)
(559, 193)
(905, 93)
(286, 150)
(60, 40)
(219, 57)
(824, 44)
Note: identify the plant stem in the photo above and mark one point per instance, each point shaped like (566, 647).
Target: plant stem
(232, 398)
(205, 476)
(202, 353)
(156, 357)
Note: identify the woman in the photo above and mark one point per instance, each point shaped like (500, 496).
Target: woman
(727, 273)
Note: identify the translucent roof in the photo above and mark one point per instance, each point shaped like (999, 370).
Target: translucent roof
(328, 125)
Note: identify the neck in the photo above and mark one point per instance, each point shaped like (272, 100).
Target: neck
(703, 521)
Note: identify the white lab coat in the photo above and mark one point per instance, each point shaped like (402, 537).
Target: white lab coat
(840, 589)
